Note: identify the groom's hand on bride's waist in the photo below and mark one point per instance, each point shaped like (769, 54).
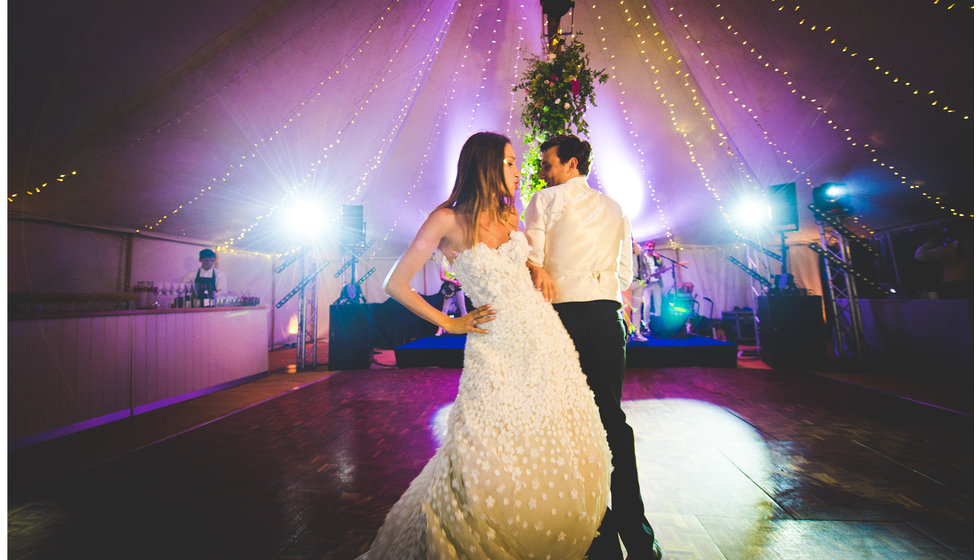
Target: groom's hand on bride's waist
(543, 282)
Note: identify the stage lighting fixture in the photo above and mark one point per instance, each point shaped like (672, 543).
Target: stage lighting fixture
(305, 218)
(752, 212)
(833, 199)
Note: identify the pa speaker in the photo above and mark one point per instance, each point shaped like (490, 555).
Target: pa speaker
(782, 204)
(791, 332)
(352, 225)
(351, 337)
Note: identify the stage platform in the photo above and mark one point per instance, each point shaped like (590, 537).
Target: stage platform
(447, 351)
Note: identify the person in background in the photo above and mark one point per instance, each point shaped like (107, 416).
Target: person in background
(952, 247)
(653, 293)
(639, 296)
(207, 277)
(453, 298)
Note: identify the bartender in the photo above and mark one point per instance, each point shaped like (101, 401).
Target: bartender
(207, 278)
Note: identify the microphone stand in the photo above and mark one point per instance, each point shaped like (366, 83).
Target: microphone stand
(673, 271)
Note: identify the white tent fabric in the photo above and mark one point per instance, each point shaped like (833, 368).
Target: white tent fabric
(202, 121)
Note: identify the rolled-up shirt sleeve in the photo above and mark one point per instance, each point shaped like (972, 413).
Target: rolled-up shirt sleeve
(535, 226)
(625, 272)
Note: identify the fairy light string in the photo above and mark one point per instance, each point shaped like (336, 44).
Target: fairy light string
(483, 67)
(204, 100)
(677, 70)
(947, 5)
(294, 116)
(437, 129)
(931, 97)
(621, 97)
(374, 163)
(841, 130)
(728, 90)
(39, 188)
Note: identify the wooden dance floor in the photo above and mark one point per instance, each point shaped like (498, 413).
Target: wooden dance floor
(734, 464)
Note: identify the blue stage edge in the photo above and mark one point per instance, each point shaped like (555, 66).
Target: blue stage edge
(447, 351)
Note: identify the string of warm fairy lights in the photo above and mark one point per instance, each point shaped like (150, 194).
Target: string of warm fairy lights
(513, 109)
(843, 131)
(31, 192)
(187, 113)
(374, 163)
(483, 68)
(947, 5)
(293, 117)
(684, 74)
(684, 78)
(931, 96)
(740, 103)
(444, 113)
(398, 122)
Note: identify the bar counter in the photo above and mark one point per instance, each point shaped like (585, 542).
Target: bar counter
(72, 371)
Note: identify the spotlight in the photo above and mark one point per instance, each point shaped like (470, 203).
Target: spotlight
(752, 212)
(833, 199)
(305, 218)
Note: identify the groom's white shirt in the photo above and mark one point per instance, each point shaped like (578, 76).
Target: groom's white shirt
(582, 238)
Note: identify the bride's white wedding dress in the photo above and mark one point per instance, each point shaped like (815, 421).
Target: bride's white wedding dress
(524, 469)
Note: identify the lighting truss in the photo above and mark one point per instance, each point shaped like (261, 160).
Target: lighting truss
(841, 276)
(306, 317)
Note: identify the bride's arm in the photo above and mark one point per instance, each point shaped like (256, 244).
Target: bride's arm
(397, 284)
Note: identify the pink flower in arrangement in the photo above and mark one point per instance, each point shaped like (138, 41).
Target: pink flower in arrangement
(554, 78)
(576, 87)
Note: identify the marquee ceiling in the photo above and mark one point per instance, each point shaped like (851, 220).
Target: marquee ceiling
(202, 119)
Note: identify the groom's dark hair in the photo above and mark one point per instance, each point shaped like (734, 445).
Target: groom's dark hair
(569, 147)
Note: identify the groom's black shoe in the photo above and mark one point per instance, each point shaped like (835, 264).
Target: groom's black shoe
(655, 553)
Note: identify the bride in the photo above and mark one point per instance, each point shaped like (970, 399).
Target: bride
(524, 470)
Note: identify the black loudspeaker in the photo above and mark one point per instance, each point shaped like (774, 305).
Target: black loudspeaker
(352, 225)
(782, 205)
(791, 332)
(351, 337)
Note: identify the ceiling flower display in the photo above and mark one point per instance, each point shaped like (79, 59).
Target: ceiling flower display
(557, 89)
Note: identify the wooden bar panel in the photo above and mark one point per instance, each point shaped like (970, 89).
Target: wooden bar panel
(70, 369)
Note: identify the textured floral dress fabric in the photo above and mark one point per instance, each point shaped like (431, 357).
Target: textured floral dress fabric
(524, 470)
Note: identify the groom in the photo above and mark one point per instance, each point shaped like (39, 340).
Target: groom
(581, 260)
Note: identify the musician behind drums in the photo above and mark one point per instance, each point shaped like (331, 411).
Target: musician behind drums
(646, 289)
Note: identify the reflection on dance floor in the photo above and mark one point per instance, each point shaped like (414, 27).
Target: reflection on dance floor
(734, 464)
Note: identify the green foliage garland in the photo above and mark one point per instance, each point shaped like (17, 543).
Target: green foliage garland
(557, 89)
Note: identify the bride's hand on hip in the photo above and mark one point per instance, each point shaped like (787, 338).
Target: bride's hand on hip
(468, 323)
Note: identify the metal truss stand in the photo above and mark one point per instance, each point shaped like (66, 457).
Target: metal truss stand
(841, 277)
(351, 292)
(752, 266)
(307, 290)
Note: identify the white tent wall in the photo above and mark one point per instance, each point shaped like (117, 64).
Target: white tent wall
(716, 277)
(47, 257)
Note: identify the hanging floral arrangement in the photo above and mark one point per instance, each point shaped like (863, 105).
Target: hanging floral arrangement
(557, 89)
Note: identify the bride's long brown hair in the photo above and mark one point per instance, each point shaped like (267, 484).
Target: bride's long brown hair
(481, 187)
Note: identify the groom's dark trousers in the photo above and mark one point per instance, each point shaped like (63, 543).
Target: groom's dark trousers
(599, 335)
